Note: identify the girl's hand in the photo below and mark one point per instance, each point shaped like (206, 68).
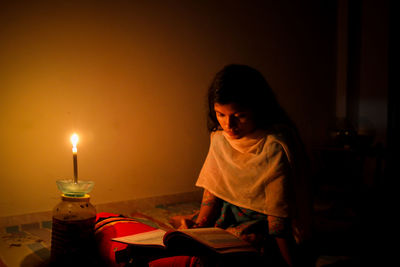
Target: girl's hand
(255, 240)
(209, 211)
(251, 238)
(186, 224)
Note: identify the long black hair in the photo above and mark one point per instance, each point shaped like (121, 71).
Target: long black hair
(247, 88)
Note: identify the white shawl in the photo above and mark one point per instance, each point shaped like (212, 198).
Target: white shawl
(252, 172)
(258, 172)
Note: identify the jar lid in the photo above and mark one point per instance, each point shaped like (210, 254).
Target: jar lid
(84, 198)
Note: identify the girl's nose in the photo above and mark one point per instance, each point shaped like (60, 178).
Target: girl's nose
(231, 122)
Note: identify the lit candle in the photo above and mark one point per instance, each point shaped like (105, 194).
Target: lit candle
(74, 141)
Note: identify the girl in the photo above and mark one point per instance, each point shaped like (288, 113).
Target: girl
(254, 176)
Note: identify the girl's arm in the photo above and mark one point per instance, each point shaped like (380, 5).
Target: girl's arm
(286, 247)
(279, 228)
(209, 211)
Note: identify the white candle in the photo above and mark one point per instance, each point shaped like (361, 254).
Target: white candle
(74, 141)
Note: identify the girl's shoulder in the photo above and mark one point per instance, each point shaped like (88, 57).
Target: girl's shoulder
(281, 133)
(278, 139)
(216, 135)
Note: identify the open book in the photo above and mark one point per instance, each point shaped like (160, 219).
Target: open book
(190, 240)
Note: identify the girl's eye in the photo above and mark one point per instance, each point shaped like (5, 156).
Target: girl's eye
(240, 115)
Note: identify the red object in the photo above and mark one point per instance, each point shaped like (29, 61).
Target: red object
(177, 261)
(108, 226)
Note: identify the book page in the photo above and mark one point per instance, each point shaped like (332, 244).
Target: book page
(154, 237)
(216, 238)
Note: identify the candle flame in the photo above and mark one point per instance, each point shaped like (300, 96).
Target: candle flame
(74, 141)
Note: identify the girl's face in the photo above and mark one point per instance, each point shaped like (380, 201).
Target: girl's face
(235, 121)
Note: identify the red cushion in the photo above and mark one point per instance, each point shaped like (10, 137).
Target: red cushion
(109, 225)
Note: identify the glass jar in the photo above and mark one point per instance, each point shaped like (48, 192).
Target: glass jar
(72, 239)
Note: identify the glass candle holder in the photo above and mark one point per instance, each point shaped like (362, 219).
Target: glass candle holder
(71, 189)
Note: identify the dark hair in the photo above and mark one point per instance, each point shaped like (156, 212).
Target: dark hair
(247, 88)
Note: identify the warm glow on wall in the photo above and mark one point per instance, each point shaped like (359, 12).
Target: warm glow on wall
(130, 78)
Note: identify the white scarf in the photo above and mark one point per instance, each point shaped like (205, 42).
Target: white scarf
(251, 172)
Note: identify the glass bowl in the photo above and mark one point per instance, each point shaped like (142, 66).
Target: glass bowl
(71, 189)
